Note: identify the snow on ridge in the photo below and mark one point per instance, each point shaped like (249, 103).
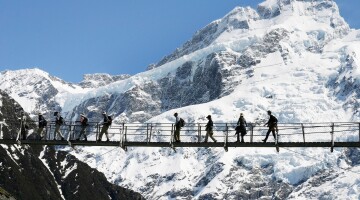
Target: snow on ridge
(283, 87)
(43, 160)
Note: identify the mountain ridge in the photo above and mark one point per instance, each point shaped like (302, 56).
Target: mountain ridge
(297, 59)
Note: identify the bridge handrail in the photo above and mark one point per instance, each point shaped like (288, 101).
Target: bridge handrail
(195, 132)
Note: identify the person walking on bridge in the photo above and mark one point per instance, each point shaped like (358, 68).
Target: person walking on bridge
(106, 124)
(23, 126)
(209, 129)
(84, 124)
(42, 125)
(272, 124)
(59, 121)
(177, 128)
(241, 128)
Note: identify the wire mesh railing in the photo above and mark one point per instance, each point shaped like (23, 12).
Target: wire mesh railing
(195, 132)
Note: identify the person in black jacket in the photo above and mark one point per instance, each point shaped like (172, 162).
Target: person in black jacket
(241, 128)
(106, 124)
(24, 126)
(272, 124)
(84, 124)
(42, 125)
(59, 121)
(177, 127)
(209, 129)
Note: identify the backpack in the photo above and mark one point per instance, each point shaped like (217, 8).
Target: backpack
(44, 122)
(110, 120)
(85, 121)
(61, 120)
(182, 122)
(275, 119)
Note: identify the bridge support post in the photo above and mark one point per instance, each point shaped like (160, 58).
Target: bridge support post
(332, 137)
(359, 132)
(147, 132)
(54, 131)
(226, 138)
(97, 132)
(71, 132)
(199, 133)
(172, 136)
(303, 131)
(151, 126)
(277, 141)
(251, 132)
(123, 137)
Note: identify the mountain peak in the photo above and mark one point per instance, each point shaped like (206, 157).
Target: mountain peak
(325, 12)
(273, 8)
(34, 71)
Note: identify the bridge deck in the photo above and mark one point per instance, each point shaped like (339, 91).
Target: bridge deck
(181, 144)
(326, 134)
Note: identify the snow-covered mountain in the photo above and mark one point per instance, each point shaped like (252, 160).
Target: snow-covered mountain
(298, 58)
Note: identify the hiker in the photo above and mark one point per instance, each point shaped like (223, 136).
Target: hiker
(177, 128)
(106, 123)
(23, 126)
(272, 124)
(58, 122)
(84, 124)
(241, 128)
(209, 129)
(42, 125)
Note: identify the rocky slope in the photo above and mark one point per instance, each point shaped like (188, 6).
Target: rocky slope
(32, 172)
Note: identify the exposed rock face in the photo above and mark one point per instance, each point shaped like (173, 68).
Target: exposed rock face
(193, 83)
(23, 175)
(79, 181)
(98, 80)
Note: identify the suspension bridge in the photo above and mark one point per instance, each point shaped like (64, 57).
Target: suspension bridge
(325, 135)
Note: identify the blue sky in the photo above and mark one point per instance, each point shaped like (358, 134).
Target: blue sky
(70, 38)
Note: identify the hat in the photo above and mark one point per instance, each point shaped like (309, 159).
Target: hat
(82, 114)
(175, 114)
(104, 113)
(209, 116)
(241, 114)
(269, 111)
(39, 113)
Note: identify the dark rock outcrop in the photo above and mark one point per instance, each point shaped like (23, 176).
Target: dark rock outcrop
(23, 175)
(79, 181)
